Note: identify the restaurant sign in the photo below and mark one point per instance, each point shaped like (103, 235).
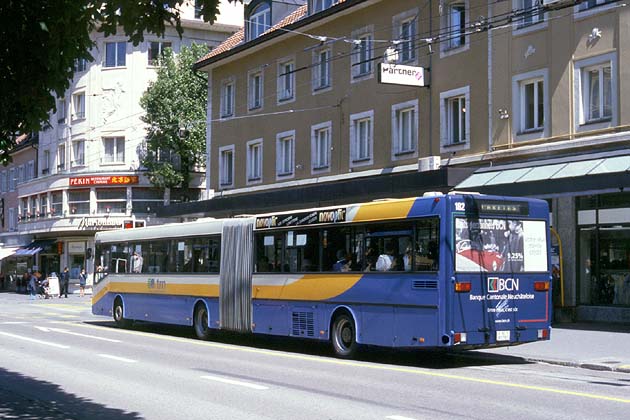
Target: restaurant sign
(81, 181)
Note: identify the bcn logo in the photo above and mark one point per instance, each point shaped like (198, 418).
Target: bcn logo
(497, 284)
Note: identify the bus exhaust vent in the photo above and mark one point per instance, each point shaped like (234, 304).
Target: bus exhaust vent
(303, 324)
(424, 284)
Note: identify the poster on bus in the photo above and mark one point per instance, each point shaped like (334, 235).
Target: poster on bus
(500, 245)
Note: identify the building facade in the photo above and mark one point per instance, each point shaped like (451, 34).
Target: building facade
(528, 100)
(88, 175)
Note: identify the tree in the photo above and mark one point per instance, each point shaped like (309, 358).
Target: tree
(175, 105)
(42, 40)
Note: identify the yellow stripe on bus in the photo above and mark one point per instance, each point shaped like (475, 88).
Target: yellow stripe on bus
(395, 209)
(313, 287)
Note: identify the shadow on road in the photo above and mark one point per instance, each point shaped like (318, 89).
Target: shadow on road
(23, 397)
(429, 359)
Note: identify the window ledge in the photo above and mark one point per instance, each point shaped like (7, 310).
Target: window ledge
(530, 131)
(404, 153)
(362, 160)
(596, 121)
(459, 143)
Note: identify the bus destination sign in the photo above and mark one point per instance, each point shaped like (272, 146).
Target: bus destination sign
(302, 219)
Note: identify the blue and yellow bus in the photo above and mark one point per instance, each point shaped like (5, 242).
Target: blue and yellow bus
(440, 271)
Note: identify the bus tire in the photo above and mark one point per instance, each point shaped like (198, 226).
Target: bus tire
(200, 322)
(343, 336)
(118, 313)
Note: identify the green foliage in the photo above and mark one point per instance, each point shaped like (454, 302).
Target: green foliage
(175, 105)
(42, 39)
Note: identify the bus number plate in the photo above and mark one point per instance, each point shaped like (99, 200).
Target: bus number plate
(503, 335)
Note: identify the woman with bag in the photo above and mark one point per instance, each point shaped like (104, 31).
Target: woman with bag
(82, 281)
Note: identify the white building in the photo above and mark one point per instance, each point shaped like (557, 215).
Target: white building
(88, 176)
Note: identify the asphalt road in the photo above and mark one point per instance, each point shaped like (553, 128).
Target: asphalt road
(57, 361)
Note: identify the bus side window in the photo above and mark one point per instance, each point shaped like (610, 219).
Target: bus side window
(427, 253)
(269, 248)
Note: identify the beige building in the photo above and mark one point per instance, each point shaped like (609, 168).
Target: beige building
(517, 99)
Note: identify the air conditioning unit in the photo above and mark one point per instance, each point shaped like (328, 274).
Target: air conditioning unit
(429, 163)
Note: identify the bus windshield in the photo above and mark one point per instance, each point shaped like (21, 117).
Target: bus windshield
(500, 245)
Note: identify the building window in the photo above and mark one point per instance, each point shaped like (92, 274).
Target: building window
(111, 200)
(24, 208)
(226, 166)
(255, 88)
(80, 65)
(321, 69)
(320, 147)
(595, 85)
(361, 138)
(12, 220)
(197, 10)
(528, 12)
(404, 129)
(43, 205)
(405, 34)
(61, 158)
(254, 160)
(113, 150)
(259, 21)
(61, 110)
(362, 53)
(285, 157)
(454, 22)
(530, 105)
(46, 162)
(20, 174)
(78, 153)
(33, 207)
(30, 171)
(56, 203)
(319, 5)
(79, 201)
(115, 54)
(78, 104)
(227, 99)
(156, 51)
(286, 81)
(590, 4)
(454, 119)
(3, 182)
(12, 180)
(146, 200)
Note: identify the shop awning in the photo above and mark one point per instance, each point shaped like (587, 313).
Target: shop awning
(7, 251)
(34, 247)
(558, 175)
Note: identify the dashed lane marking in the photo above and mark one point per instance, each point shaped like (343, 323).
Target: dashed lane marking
(235, 382)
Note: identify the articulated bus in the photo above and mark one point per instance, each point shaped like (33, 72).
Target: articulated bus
(459, 270)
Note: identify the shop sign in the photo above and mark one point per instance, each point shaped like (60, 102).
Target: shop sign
(99, 223)
(397, 74)
(81, 181)
(76, 247)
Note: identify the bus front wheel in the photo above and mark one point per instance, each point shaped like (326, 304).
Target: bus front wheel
(344, 336)
(200, 322)
(119, 310)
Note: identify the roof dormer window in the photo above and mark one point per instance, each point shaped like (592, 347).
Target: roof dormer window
(319, 5)
(259, 20)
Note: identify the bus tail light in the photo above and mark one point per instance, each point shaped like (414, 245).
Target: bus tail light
(459, 338)
(541, 286)
(462, 287)
(543, 334)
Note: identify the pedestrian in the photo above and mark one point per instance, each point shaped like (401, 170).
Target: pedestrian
(32, 287)
(82, 281)
(65, 281)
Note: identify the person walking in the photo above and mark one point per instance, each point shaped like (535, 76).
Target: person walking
(82, 282)
(65, 282)
(32, 287)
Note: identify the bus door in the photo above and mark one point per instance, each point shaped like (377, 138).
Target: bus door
(500, 271)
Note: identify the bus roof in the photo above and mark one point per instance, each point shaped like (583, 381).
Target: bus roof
(199, 227)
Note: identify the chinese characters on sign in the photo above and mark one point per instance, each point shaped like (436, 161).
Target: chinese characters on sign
(81, 181)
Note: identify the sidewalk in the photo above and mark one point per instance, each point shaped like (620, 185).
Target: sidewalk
(595, 346)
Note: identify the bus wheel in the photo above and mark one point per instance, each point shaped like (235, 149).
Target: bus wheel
(344, 337)
(200, 322)
(118, 314)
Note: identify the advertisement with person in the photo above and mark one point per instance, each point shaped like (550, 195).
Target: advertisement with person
(500, 245)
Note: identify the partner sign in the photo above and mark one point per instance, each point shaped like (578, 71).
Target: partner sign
(401, 75)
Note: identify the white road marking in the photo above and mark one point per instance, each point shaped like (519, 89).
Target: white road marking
(13, 322)
(61, 330)
(32, 340)
(120, 359)
(399, 418)
(235, 382)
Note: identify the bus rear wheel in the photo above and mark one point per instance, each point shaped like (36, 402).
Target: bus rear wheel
(344, 337)
(119, 311)
(200, 322)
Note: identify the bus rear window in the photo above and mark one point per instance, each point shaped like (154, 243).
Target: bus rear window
(500, 245)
